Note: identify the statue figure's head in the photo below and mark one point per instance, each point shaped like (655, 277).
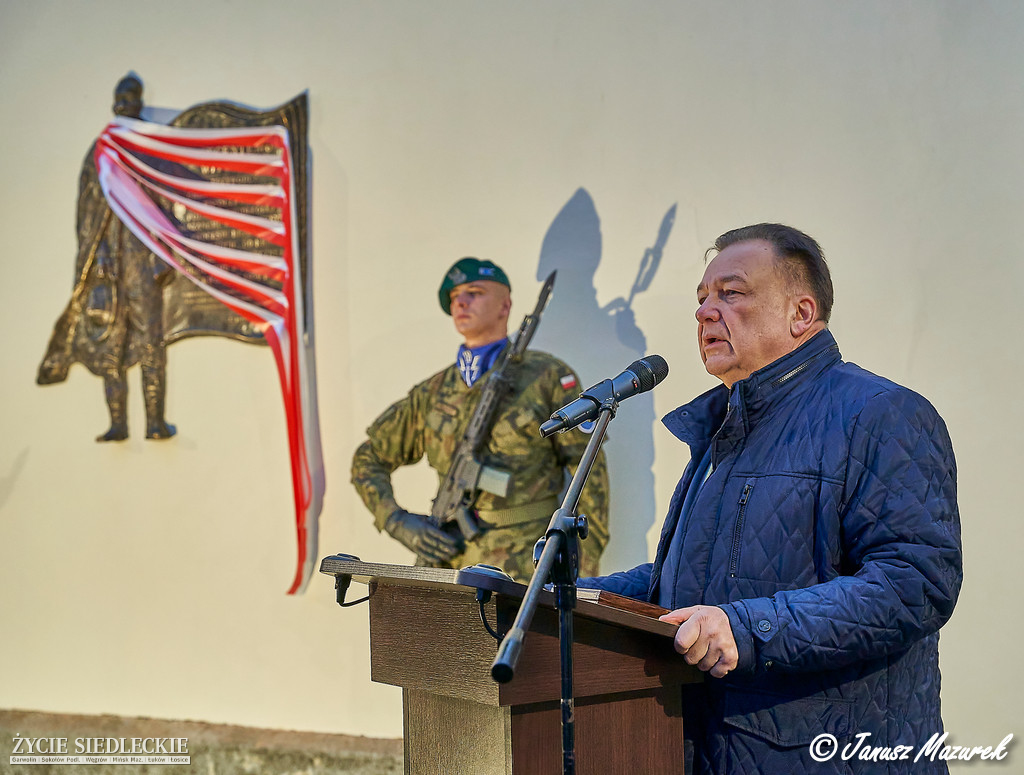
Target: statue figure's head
(128, 96)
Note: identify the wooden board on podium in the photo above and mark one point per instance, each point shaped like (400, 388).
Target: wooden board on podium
(427, 637)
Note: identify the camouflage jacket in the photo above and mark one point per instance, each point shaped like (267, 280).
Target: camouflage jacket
(431, 419)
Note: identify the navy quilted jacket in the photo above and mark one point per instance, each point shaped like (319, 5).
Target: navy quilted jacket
(829, 533)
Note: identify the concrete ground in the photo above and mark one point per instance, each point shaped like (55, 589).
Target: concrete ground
(215, 749)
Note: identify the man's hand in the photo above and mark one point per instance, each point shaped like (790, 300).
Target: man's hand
(704, 638)
(417, 533)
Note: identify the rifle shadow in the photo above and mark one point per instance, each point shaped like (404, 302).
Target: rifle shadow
(599, 342)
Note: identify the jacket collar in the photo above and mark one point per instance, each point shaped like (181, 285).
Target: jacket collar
(699, 420)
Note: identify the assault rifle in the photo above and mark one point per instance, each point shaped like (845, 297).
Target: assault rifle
(467, 476)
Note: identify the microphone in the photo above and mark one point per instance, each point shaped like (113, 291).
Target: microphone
(639, 377)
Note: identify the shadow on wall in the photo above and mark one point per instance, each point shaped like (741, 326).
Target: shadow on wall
(599, 342)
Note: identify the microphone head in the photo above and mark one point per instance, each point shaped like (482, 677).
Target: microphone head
(650, 371)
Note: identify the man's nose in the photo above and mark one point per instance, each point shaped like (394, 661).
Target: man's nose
(706, 311)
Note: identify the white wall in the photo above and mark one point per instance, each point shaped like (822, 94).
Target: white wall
(148, 578)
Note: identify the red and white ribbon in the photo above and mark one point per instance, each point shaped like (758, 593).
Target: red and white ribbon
(129, 184)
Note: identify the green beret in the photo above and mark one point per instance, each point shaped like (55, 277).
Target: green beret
(467, 270)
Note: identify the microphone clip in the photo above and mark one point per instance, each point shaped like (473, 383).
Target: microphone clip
(605, 399)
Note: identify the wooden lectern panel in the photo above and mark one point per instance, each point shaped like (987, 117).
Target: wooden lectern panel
(607, 659)
(629, 734)
(433, 639)
(625, 734)
(447, 735)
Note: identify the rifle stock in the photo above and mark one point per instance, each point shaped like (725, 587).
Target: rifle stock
(466, 475)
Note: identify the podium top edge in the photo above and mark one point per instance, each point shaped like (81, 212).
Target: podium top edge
(365, 572)
(590, 603)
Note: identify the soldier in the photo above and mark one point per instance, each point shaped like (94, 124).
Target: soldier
(432, 418)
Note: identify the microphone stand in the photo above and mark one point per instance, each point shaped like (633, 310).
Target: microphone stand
(558, 562)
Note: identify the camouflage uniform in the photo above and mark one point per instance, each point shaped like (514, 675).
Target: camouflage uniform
(432, 419)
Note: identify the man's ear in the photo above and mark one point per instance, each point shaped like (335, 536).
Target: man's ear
(804, 314)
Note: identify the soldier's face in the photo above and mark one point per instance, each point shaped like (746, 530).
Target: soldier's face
(480, 311)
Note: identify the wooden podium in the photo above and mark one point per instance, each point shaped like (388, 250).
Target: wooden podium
(426, 635)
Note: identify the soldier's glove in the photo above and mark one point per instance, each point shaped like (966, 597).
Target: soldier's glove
(417, 533)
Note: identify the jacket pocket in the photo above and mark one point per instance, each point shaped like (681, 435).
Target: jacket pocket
(785, 721)
(737, 530)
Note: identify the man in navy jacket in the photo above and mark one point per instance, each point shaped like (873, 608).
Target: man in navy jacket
(811, 550)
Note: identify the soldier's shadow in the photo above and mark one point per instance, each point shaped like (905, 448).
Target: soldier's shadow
(599, 342)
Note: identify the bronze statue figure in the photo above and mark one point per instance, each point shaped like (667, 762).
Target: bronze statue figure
(115, 316)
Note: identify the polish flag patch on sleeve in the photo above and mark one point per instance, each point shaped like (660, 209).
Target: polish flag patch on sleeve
(568, 382)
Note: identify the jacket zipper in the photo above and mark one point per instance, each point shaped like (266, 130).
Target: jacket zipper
(788, 376)
(737, 531)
